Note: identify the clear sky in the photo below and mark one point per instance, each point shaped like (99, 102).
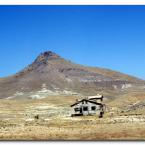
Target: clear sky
(103, 36)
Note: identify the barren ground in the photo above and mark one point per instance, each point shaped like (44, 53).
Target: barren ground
(18, 121)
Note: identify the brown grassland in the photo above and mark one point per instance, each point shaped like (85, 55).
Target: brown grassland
(49, 119)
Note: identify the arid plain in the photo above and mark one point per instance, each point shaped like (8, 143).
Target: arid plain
(50, 119)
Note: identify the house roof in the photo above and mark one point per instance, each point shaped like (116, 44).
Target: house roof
(86, 101)
(98, 97)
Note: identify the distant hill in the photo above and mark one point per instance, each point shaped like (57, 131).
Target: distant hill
(51, 74)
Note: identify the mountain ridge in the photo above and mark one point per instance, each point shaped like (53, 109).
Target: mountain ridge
(59, 75)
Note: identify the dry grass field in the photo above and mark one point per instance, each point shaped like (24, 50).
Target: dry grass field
(49, 119)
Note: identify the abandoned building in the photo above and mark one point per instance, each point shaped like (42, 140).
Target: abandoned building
(89, 106)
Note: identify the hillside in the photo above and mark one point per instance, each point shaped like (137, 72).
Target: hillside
(35, 102)
(50, 74)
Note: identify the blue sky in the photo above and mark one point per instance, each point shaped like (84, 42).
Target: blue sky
(103, 36)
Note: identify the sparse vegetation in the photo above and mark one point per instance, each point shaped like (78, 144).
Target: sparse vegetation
(51, 119)
(35, 103)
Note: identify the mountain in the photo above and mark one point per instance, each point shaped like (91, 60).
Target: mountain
(51, 75)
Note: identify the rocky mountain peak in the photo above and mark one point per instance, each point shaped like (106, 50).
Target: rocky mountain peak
(47, 55)
(60, 75)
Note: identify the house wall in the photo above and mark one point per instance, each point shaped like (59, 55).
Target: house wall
(89, 105)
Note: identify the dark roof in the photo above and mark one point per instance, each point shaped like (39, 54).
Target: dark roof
(86, 101)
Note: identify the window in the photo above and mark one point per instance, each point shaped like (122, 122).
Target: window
(85, 108)
(77, 109)
(93, 108)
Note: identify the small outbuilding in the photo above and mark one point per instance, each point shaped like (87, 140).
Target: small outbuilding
(90, 106)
